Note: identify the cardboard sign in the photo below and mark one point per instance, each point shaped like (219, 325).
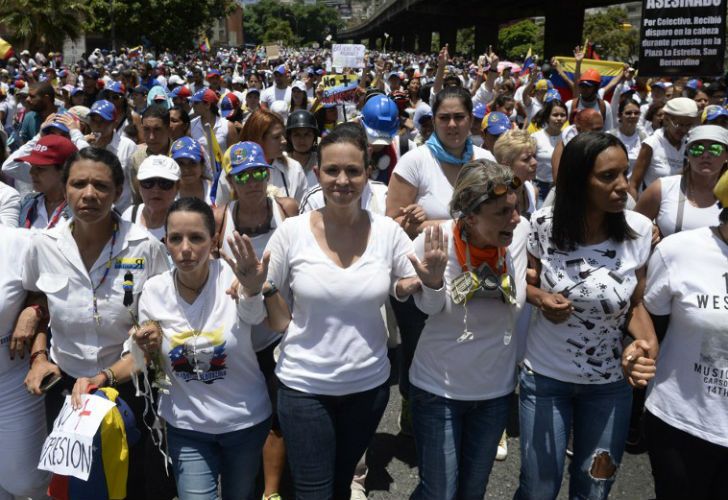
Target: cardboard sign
(679, 40)
(68, 450)
(348, 55)
(339, 88)
(272, 52)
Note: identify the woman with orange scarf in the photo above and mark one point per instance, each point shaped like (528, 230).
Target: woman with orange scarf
(464, 368)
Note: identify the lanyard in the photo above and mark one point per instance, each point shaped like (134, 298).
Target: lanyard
(55, 217)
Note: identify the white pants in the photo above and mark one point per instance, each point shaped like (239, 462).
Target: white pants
(22, 433)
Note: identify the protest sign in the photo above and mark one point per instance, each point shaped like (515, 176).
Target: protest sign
(339, 88)
(272, 52)
(68, 450)
(348, 55)
(682, 37)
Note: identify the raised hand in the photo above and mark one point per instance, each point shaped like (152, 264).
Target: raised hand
(250, 272)
(443, 57)
(579, 53)
(431, 269)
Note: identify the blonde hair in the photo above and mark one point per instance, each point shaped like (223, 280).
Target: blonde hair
(511, 144)
(475, 180)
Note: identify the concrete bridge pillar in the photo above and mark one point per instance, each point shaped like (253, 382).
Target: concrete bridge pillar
(424, 40)
(449, 36)
(486, 33)
(408, 43)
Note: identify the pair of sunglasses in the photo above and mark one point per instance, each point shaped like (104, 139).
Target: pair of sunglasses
(714, 149)
(494, 191)
(163, 184)
(257, 174)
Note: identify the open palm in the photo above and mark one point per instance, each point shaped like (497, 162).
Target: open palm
(431, 268)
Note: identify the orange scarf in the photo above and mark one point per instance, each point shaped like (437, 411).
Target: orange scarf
(477, 255)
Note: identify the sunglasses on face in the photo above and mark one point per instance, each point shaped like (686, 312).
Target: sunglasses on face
(258, 175)
(163, 184)
(698, 149)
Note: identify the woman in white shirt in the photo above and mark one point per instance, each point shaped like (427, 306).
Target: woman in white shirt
(517, 150)
(686, 201)
(687, 407)
(215, 404)
(627, 132)
(551, 120)
(419, 194)
(663, 152)
(340, 263)
(158, 178)
(22, 420)
(464, 368)
(589, 254)
(189, 155)
(80, 267)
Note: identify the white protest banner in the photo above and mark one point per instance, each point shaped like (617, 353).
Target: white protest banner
(348, 55)
(272, 52)
(68, 450)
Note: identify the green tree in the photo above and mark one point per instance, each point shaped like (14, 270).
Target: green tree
(308, 23)
(466, 40)
(611, 35)
(173, 24)
(515, 40)
(278, 31)
(43, 24)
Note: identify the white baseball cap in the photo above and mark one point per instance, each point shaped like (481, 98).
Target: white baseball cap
(159, 166)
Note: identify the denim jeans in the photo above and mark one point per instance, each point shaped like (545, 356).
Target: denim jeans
(456, 444)
(199, 458)
(411, 322)
(549, 408)
(326, 436)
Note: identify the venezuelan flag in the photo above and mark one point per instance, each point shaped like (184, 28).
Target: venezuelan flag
(528, 63)
(607, 70)
(215, 161)
(205, 45)
(135, 52)
(6, 50)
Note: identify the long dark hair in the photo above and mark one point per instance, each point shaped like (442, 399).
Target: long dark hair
(195, 205)
(453, 92)
(542, 117)
(570, 204)
(347, 133)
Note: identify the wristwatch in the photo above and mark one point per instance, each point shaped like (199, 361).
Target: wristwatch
(272, 290)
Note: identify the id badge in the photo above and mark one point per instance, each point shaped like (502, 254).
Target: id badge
(508, 288)
(464, 286)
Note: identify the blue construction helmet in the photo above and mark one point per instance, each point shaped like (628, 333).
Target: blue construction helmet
(380, 117)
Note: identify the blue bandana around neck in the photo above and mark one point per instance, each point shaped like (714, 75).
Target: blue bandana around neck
(438, 151)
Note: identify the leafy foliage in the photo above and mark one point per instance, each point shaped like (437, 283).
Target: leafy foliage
(297, 23)
(515, 40)
(607, 31)
(173, 24)
(43, 23)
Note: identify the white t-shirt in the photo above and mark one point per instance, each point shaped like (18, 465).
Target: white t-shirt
(568, 133)
(336, 343)
(419, 168)
(9, 205)
(80, 346)
(608, 123)
(687, 278)
(13, 248)
(545, 144)
(633, 144)
(262, 337)
(216, 384)
(273, 94)
(483, 367)
(666, 160)
(599, 280)
(220, 128)
(287, 178)
(693, 217)
(157, 232)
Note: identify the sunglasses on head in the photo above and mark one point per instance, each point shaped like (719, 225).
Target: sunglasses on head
(714, 149)
(163, 184)
(257, 174)
(495, 191)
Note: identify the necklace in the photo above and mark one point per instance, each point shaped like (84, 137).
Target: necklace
(196, 332)
(262, 228)
(97, 317)
(193, 289)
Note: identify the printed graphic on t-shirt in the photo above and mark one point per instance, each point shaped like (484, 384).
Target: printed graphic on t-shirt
(713, 360)
(196, 355)
(594, 279)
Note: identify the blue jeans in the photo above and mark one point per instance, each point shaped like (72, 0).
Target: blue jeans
(411, 322)
(326, 436)
(549, 408)
(198, 458)
(456, 444)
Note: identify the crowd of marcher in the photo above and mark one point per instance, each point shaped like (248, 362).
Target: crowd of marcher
(252, 237)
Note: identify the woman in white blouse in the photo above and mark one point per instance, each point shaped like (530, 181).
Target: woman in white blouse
(340, 262)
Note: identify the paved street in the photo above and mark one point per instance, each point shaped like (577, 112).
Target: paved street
(393, 471)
